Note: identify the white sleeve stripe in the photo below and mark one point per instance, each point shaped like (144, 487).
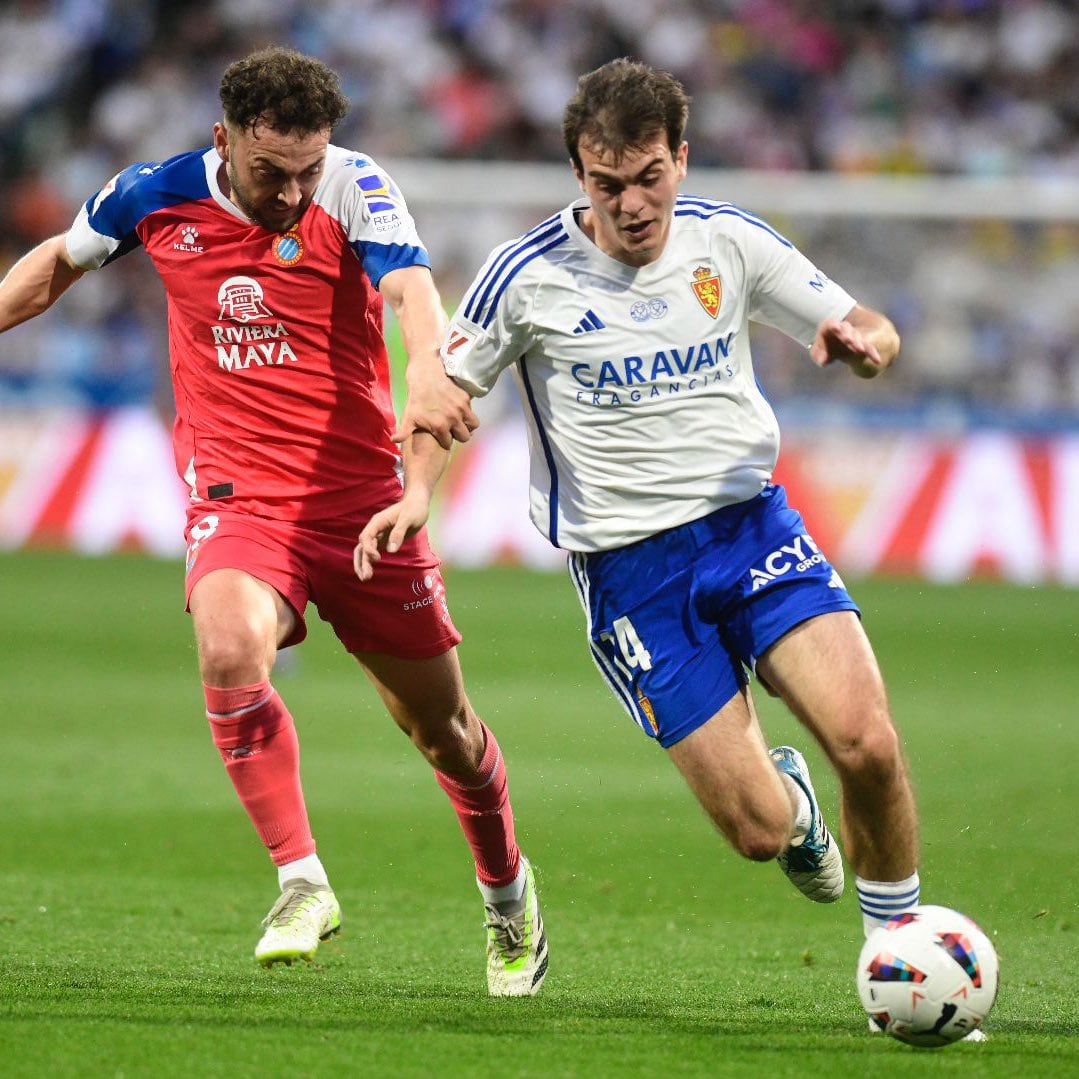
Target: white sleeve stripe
(87, 247)
(577, 565)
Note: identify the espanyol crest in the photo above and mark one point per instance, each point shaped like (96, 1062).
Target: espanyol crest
(288, 248)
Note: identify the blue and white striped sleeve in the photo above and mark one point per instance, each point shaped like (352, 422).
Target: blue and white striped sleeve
(488, 332)
(491, 329)
(372, 210)
(106, 223)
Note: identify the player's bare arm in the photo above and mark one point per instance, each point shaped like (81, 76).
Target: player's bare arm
(425, 460)
(36, 282)
(866, 341)
(435, 403)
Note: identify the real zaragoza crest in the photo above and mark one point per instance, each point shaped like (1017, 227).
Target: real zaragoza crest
(649, 712)
(706, 286)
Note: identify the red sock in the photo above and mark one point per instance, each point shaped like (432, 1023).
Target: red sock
(483, 807)
(257, 738)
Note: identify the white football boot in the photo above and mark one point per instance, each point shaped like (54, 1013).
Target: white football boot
(303, 915)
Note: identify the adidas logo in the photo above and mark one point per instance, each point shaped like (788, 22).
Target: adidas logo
(590, 322)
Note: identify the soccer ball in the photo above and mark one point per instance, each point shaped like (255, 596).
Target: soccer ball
(928, 976)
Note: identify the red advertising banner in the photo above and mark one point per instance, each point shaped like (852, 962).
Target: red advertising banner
(982, 504)
(91, 482)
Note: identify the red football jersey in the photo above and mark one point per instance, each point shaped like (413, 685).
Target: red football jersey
(279, 366)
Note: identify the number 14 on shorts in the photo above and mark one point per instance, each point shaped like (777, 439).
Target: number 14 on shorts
(631, 648)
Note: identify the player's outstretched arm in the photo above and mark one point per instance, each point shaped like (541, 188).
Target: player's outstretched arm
(425, 460)
(36, 282)
(435, 403)
(866, 341)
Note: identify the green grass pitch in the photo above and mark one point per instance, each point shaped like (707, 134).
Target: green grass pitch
(131, 884)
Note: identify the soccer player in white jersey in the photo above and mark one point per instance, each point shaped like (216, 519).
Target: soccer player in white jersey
(624, 318)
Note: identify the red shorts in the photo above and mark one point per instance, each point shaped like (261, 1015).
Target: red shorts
(401, 612)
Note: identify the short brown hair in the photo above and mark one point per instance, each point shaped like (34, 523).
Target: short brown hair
(622, 106)
(285, 90)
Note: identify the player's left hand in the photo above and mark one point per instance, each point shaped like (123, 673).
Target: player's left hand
(386, 531)
(842, 341)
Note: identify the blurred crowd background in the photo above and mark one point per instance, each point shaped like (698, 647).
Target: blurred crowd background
(980, 88)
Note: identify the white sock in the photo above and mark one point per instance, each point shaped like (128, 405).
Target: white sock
(309, 868)
(507, 892)
(880, 900)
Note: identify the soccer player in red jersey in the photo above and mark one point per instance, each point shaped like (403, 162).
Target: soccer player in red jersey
(277, 250)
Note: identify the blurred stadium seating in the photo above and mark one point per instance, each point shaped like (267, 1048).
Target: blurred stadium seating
(957, 88)
(925, 153)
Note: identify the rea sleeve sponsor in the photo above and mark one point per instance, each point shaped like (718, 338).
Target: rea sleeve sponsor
(372, 211)
(365, 199)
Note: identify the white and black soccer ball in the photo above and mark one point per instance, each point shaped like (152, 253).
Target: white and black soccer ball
(928, 976)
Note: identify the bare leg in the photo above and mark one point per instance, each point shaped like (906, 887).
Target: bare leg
(239, 623)
(826, 673)
(427, 700)
(726, 764)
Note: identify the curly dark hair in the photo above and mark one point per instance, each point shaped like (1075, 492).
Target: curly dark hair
(285, 90)
(622, 106)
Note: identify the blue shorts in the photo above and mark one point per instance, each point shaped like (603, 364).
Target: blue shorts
(675, 620)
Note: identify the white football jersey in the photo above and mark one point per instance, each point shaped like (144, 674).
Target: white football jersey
(642, 409)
